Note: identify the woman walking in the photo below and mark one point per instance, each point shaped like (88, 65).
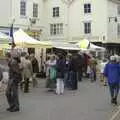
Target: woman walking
(51, 77)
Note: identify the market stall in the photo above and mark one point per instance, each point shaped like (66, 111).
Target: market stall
(65, 46)
(21, 39)
(85, 44)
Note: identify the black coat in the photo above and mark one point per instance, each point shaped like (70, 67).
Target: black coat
(60, 68)
(76, 63)
(35, 66)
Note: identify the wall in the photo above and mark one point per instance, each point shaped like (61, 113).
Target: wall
(77, 19)
(5, 12)
(24, 22)
(112, 25)
(73, 18)
(48, 18)
(11, 10)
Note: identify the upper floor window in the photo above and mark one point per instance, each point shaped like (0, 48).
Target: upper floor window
(118, 9)
(87, 28)
(35, 10)
(56, 12)
(56, 29)
(22, 8)
(87, 8)
(118, 29)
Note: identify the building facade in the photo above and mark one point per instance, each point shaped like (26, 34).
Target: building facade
(65, 20)
(25, 14)
(73, 20)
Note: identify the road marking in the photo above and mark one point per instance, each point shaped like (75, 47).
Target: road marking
(115, 115)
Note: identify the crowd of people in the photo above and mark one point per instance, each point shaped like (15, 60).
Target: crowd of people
(21, 69)
(63, 71)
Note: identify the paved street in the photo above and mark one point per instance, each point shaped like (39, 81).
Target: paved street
(90, 102)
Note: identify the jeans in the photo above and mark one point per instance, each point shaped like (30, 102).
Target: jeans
(114, 90)
(12, 95)
(93, 75)
(60, 86)
(66, 80)
(34, 80)
(79, 75)
(74, 84)
(26, 87)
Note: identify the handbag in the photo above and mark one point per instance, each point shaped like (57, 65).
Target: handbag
(52, 73)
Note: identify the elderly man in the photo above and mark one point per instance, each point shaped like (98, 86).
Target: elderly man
(14, 79)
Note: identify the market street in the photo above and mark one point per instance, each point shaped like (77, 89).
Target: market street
(90, 102)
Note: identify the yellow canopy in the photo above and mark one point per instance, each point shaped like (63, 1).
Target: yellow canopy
(4, 46)
(83, 44)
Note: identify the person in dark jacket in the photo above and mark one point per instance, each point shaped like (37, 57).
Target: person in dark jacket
(60, 69)
(76, 70)
(67, 72)
(79, 66)
(35, 67)
(1, 74)
(12, 88)
(112, 72)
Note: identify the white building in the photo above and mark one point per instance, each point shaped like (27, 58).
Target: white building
(25, 14)
(72, 20)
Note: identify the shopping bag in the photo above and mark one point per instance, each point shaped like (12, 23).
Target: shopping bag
(5, 77)
(52, 73)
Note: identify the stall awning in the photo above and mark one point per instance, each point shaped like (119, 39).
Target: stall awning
(21, 39)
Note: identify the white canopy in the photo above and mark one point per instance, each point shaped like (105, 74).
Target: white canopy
(21, 37)
(95, 47)
(4, 36)
(65, 46)
(85, 44)
(23, 40)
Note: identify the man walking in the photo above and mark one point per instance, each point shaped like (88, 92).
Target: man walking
(74, 72)
(112, 72)
(12, 88)
(35, 68)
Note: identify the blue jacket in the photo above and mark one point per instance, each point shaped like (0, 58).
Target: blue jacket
(112, 72)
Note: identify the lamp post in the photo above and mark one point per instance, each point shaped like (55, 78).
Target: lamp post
(11, 41)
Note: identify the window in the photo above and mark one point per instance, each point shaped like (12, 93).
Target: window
(118, 29)
(87, 8)
(56, 12)
(23, 8)
(87, 28)
(56, 29)
(118, 10)
(35, 10)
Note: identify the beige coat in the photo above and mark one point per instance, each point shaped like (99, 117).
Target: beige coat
(27, 69)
